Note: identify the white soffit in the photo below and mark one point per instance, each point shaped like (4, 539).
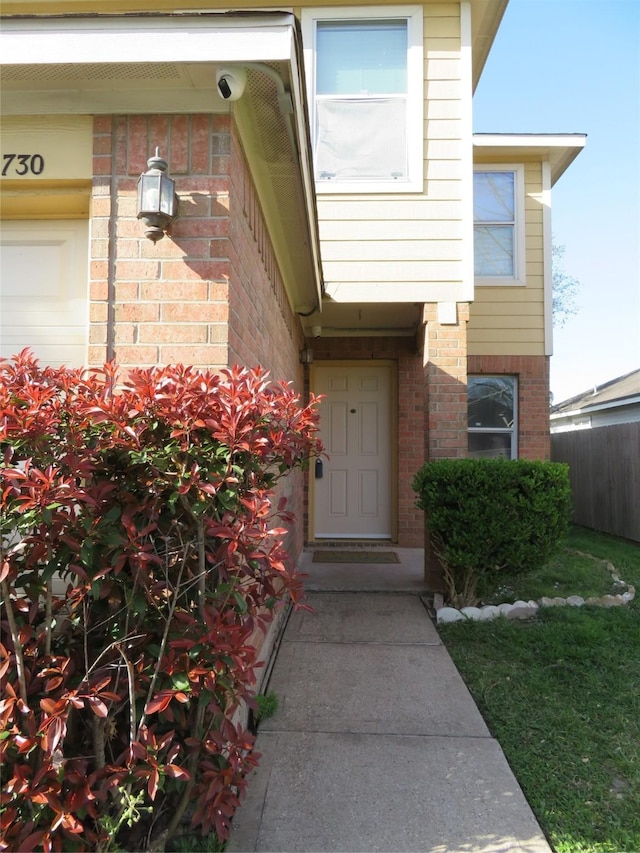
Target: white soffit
(166, 63)
(144, 64)
(558, 149)
(172, 38)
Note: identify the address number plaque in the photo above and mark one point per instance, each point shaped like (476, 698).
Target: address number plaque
(22, 165)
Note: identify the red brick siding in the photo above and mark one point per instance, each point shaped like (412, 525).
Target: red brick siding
(262, 326)
(411, 415)
(162, 303)
(446, 384)
(533, 397)
(209, 293)
(263, 330)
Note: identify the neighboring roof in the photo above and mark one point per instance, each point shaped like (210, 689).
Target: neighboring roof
(621, 391)
(559, 149)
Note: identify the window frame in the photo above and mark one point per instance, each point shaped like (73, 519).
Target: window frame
(513, 429)
(415, 93)
(519, 277)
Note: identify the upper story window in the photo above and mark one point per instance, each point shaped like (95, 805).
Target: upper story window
(365, 74)
(498, 216)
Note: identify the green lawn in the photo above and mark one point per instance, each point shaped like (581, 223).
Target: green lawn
(579, 569)
(562, 696)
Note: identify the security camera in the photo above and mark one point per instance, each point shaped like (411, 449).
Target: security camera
(231, 83)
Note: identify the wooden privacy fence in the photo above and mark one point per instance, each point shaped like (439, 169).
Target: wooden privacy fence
(604, 469)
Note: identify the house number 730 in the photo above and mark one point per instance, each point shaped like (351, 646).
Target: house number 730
(22, 164)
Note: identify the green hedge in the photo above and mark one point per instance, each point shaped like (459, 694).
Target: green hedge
(492, 515)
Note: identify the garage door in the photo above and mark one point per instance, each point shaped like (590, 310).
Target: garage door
(44, 290)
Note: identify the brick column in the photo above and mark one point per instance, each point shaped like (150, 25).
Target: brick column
(445, 376)
(445, 366)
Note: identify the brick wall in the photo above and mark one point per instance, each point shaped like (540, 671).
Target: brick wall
(446, 383)
(209, 294)
(262, 326)
(533, 397)
(166, 302)
(411, 415)
(263, 330)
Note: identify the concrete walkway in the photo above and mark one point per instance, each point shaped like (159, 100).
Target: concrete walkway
(377, 744)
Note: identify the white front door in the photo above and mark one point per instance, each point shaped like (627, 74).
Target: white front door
(353, 496)
(43, 291)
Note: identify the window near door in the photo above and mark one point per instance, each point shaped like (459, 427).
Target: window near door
(365, 71)
(498, 217)
(492, 416)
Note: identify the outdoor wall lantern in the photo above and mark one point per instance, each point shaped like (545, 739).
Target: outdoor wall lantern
(157, 199)
(306, 355)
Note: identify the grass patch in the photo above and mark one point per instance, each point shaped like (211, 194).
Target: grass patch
(195, 844)
(571, 572)
(267, 706)
(562, 697)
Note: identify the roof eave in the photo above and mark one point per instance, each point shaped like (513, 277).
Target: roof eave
(265, 40)
(558, 149)
(486, 16)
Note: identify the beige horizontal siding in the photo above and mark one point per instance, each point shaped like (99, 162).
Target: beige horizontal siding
(442, 149)
(521, 336)
(509, 320)
(395, 238)
(509, 301)
(441, 90)
(516, 347)
(392, 210)
(441, 47)
(485, 324)
(443, 109)
(389, 272)
(385, 250)
(348, 232)
(443, 170)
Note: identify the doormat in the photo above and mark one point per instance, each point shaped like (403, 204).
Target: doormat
(336, 556)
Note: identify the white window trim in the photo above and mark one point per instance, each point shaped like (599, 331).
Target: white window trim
(519, 248)
(415, 91)
(513, 430)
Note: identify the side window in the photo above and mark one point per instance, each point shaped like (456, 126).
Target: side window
(498, 222)
(365, 71)
(492, 416)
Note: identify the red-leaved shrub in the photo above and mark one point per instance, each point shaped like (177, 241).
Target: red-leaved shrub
(140, 555)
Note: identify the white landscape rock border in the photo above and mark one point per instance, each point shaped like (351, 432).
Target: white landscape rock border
(528, 609)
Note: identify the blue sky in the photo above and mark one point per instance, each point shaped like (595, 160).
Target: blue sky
(573, 66)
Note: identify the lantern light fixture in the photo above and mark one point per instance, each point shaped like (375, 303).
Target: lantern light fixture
(157, 199)
(306, 355)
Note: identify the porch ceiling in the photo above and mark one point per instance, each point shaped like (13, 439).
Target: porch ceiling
(345, 319)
